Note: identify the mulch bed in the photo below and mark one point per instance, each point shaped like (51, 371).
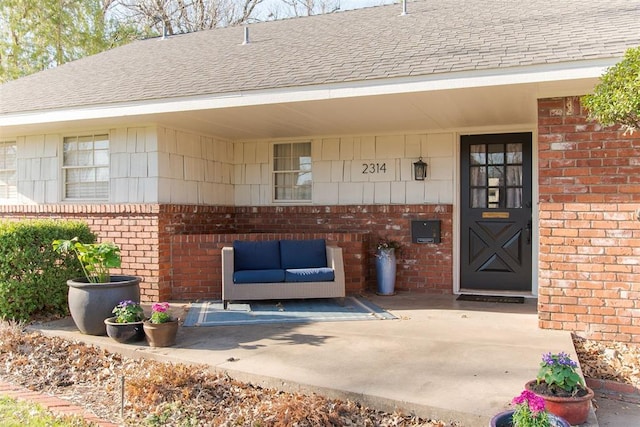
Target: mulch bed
(611, 369)
(169, 394)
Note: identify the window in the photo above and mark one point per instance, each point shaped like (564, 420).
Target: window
(8, 189)
(292, 171)
(496, 176)
(86, 167)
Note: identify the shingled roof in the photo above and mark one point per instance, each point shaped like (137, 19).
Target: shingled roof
(436, 37)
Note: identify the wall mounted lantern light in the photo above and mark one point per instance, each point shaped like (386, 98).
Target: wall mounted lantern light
(419, 170)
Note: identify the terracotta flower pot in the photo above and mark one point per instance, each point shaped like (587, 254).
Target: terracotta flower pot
(573, 409)
(124, 332)
(161, 334)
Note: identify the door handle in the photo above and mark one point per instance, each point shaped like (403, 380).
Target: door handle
(529, 233)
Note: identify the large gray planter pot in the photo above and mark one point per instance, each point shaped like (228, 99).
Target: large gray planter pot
(91, 303)
(386, 271)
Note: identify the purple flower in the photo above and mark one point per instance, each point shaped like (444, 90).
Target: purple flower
(562, 359)
(548, 359)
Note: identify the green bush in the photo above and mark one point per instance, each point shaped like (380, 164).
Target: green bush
(32, 275)
(616, 99)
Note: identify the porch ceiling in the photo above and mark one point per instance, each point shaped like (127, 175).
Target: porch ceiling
(448, 109)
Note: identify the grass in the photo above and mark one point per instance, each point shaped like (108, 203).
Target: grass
(15, 413)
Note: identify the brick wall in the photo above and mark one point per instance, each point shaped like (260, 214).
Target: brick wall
(134, 228)
(144, 234)
(186, 219)
(589, 232)
(421, 267)
(197, 260)
(142, 231)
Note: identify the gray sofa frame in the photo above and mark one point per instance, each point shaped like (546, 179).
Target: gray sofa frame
(282, 290)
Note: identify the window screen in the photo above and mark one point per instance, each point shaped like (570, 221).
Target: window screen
(86, 167)
(292, 171)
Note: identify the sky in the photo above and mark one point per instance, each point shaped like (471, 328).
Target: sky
(355, 4)
(344, 4)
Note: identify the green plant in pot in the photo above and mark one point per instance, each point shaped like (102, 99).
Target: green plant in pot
(95, 258)
(563, 389)
(92, 298)
(126, 325)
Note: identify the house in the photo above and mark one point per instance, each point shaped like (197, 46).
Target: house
(174, 147)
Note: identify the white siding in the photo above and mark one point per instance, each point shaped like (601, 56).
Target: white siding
(36, 181)
(150, 164)
(356, 170)
(199, 169)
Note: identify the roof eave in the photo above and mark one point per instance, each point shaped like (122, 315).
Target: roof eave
(544, 73)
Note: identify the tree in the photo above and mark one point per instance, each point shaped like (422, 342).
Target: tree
(288, 8)
(187, 16)
(40, 34)
(616, 99)
(312, 7)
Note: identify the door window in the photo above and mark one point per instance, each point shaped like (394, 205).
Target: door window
(495, 176)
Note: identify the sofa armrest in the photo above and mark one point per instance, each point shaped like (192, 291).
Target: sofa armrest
(227, 273)
(335, 261)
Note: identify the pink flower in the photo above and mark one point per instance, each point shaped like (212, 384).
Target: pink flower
(160, 307)
(535, 402)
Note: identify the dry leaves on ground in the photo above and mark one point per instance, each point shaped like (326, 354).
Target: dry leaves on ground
(609, 361)
(169, 394)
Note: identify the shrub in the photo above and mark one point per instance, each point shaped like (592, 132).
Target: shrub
(32, 275)
(616, 99)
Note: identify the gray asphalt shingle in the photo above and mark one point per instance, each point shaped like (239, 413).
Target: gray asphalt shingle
(437, 36)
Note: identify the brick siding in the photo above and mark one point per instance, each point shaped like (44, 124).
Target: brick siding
(144, 233)
(589, 265)
(421, 267)
(197, 260)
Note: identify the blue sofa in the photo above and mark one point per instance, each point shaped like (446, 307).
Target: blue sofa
(282, 269)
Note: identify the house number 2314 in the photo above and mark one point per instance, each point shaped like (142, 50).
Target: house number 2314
(368, 168)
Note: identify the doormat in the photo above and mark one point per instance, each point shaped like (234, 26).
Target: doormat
(212, 313)
(489, 298)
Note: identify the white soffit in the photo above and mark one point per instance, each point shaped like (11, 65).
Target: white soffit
(555, 74)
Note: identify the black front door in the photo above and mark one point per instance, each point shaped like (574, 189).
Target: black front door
(495, 212)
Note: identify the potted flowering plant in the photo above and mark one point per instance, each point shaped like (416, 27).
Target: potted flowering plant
(126, 325)
(161, 328)
(92, 298)
(128, 312)
(386, 244)
(529, 412)
(561, 386)
(386, 266)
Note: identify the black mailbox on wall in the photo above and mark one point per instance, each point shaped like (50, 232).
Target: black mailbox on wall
(425, 231)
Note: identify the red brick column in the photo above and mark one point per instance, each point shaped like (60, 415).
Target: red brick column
(589, 264)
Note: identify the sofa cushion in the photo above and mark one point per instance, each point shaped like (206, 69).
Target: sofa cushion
(256, 255)
(323, 274)
(303, 253)
(258, 276)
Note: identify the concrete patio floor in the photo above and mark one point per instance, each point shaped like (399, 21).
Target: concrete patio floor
(441, 358)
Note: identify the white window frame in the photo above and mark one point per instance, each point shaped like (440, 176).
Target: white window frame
(90, 165)
(8, 190)
(296, 173)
